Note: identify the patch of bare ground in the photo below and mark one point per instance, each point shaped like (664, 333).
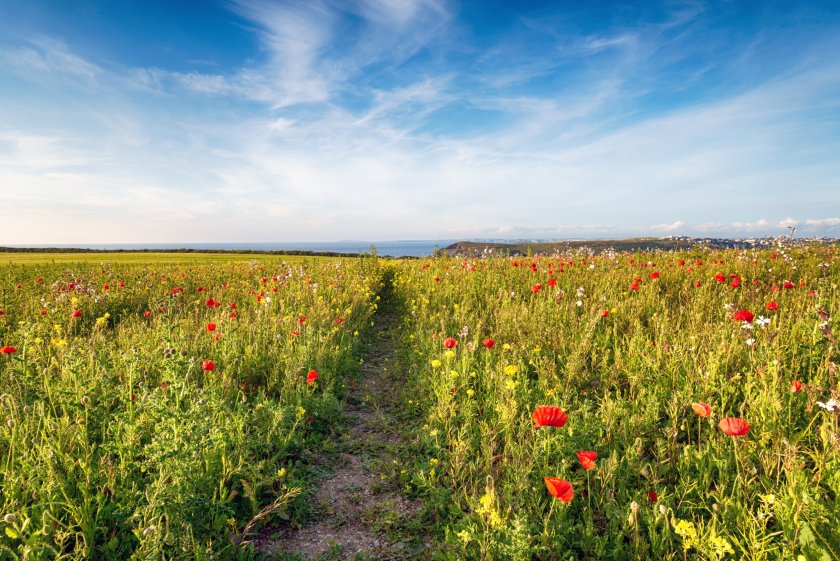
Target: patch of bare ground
(358, 515)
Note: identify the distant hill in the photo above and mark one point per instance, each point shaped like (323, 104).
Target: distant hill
(477, 249)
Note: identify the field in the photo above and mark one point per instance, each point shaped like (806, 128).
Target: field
(670, 405)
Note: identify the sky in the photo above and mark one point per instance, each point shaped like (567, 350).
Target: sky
(127, 121)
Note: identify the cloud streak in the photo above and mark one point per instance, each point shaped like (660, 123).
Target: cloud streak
(381, 120)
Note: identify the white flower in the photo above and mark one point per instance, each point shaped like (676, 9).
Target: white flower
(762, 321)
(750, 341)
(830, 405)
(268, 299)
(579, 303)
(746, 325)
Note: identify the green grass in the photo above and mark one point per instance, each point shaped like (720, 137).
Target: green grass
(139, 258)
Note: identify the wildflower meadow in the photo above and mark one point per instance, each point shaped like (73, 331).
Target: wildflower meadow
(664, 405)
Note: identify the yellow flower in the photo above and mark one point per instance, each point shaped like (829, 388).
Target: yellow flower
(470, 392)
(511, 369)
(449, 355)
(436, 363)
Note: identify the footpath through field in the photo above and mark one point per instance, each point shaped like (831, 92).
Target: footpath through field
(358, 514)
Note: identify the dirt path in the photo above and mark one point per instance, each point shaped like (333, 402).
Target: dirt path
(357, 516)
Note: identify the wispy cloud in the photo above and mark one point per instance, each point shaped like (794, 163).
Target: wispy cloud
(350, 121)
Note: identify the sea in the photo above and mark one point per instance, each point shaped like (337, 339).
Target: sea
(399, 248)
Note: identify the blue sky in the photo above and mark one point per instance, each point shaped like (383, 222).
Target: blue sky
(248, 120)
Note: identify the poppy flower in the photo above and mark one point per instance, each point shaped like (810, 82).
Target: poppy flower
(787, 284)
(211, 327)
(339, 320)
(733, 426)
(301, 319)
(2, 313)
(587, 459)
(449, 342)
(559, 488)
(702, 409)
(77, 313)
(43, 312)
(605, 313)
(771, 305)
(654, 275)
(743, 315)
(7, 350)
(652, 496)
(208, 365)
(147, 313)
(210, 303)
(736, 282)
(488, 343)
(796, 386)
(549, 416)
(536, 288)
(552, 282)
(634, 286)
(311, 377)
(720, 277)
(232, 315)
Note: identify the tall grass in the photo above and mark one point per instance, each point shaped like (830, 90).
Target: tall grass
(625, 344)
(117, 442)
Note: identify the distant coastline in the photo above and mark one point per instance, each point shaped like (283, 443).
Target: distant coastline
(427, 248)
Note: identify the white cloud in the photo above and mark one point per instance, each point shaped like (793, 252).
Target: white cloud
(823, 222)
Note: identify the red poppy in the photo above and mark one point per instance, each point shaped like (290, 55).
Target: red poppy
(743, 315)
(208, 365)
(43, 312)
(449, 342)
(552, 282)
(634, 286)
(736, 282)
(339, 320)
(77, 313)
(211, 327)
(549, 416)
(232, 315)
(7, 350)
(536, 288)
(311, 377)
(654, 275)
(787, 284)
(210, 303)
(587, 459)
(796, 386)
(702, 409)
(164, 385)
(720, 277)
(652, 496)
(147, 313)
(605, 313)
(488, 343)
(697, 284)
(301, 319)
(733, 426)
(559, 488)
(2, 313)
(771, 305)
(295, 332)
